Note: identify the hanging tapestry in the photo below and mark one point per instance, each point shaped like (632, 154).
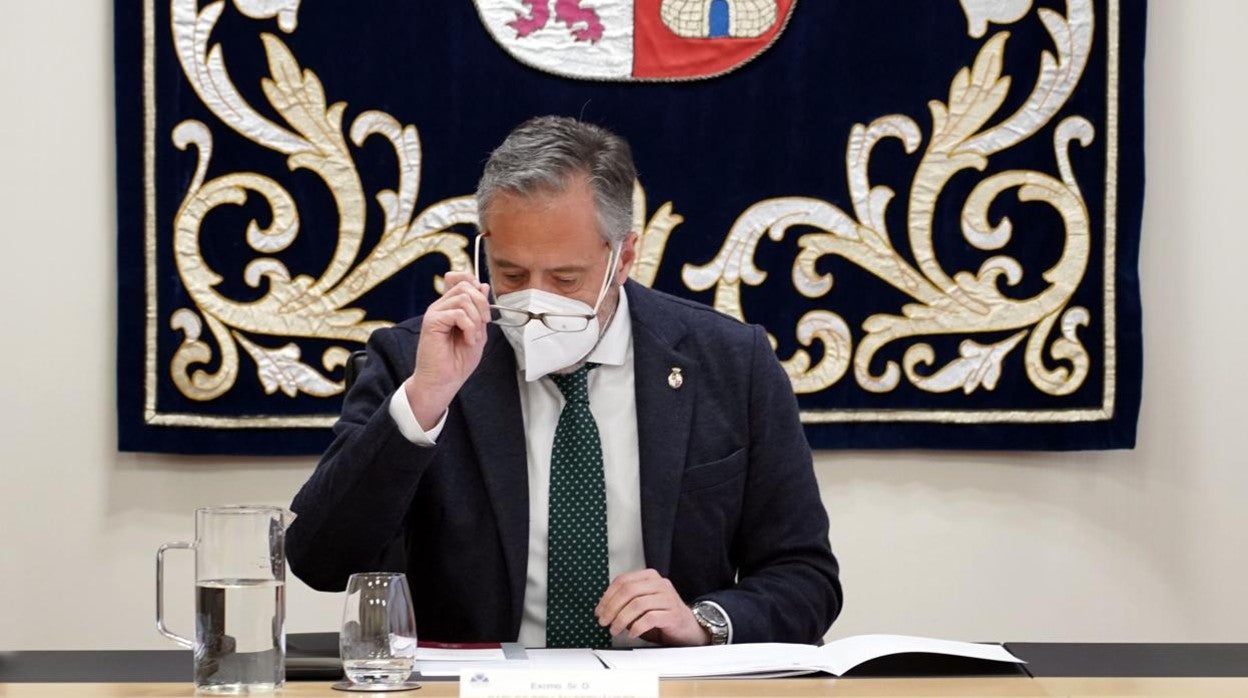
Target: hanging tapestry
(932, 207)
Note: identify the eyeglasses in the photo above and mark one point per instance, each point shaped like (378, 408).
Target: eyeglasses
(559, 322)
(505, 316)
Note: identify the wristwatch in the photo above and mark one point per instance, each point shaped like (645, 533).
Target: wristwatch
(713, 620)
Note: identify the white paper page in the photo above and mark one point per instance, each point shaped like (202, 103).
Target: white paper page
(564, 659)
(444, 654)
(840, 656)
(455, 668)
(724, 660)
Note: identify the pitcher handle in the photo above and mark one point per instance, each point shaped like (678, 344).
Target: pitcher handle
(160, 593)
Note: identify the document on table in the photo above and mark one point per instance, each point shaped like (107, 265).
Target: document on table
(453, 668)
(460, 654)
(778, 659)
(565, 659)
(437, 659)
(452, 662)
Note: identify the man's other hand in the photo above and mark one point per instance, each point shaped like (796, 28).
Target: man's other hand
(452, 337)
(647, 606)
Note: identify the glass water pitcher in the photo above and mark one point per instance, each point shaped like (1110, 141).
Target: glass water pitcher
(240, 598)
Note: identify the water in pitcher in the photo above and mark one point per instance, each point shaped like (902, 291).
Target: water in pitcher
(239, 638)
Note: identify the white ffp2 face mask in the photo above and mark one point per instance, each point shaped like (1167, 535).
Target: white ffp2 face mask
(539, 349)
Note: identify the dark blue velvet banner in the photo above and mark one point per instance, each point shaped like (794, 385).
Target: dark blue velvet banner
(933, 207)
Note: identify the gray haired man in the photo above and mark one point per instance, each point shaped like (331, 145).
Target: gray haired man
(563, 457)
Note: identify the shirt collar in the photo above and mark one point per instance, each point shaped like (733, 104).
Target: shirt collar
(612, 349)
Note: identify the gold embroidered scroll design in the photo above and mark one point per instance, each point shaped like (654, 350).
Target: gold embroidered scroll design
(299, 305)
(963, 302)
(312, 138)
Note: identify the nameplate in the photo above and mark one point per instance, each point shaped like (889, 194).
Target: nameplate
(529, 683)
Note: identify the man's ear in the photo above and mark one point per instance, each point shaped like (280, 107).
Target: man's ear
(628, 255)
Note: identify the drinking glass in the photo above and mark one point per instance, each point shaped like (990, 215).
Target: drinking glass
(378, 639)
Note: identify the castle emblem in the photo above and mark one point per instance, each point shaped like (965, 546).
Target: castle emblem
(711, 19)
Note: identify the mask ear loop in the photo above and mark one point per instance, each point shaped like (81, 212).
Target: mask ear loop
(476, 257)
(476, 266)
(606, 280)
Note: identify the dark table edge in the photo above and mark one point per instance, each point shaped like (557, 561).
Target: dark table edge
(306, 653)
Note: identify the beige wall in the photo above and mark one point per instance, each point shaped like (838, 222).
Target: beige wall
(1150, 544)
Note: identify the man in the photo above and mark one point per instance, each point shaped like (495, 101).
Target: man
(566, 458)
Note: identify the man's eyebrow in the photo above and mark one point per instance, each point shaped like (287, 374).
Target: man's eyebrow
(565, 269)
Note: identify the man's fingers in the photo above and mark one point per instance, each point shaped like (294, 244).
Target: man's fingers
(622, 583)
(466, 323)
(654, 620)
(465, 287)
(482, 299)
(449, 318)
(470, 292)
(476, 309)
(636, 608)
(454, 278)
(627, 589)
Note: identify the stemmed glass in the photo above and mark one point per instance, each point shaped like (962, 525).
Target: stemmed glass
(378, 639)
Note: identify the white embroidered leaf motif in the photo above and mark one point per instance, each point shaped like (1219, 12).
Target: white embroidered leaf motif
(281, 369)
(979, 13)
(286, 11)
(652, 239)
(978, 365)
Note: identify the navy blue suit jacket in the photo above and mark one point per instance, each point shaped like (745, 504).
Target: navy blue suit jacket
(730, 509)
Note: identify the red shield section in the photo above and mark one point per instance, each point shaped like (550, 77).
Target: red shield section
(659, 53)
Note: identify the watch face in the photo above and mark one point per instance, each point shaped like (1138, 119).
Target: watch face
(711, 617)
(713, 621)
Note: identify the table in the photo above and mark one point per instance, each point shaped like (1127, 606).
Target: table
(1096, 659)
(781, 688)
(1054, 669)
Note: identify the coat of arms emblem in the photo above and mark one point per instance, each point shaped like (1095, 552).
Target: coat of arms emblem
(641, 40)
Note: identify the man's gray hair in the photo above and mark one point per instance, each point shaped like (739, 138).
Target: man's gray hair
(543, 153)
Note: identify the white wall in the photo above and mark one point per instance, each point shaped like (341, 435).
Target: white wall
(1147, 545)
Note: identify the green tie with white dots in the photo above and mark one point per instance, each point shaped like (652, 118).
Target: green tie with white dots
(576, 569)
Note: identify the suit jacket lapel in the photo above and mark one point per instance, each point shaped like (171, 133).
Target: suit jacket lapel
(490, 401)
(664, 413)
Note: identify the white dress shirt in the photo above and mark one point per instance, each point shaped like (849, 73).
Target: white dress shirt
(613, 402)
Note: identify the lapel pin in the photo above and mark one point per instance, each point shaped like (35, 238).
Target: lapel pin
(674, 379)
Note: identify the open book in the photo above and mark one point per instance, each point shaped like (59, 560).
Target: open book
(781, 659)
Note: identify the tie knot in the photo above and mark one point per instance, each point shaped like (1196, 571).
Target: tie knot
(574, 385)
